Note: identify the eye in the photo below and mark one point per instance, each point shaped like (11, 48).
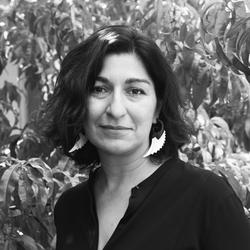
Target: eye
(99, 91)
(136, 91)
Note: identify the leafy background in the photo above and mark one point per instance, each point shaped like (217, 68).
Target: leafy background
(206, 42)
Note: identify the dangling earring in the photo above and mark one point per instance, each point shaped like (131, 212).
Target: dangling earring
(80, 143)
(158, 140)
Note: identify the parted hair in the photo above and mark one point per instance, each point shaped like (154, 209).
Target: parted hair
(65, 111)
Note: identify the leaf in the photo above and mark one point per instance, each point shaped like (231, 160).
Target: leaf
(32, 77)
(41, 192)
(10, 244)
(46, 174)
(28, 242)
(240, 66)
(236, 91)
(206, 37)
(199, 87)
(25, 191)
(247, 5)
(193, 7)
(198, 95)
(202, 116)
(214, 96)
(159, 8)
(248, 44)
(3, 94)
(221, 23)
(244, 55)
(240, 8)
(42, 198)
(34, 173)
(31, 18)
(42, 167)
(221, 85)
(212, 19)
(220, 122)
(188, 57)
(13, 94)
(221, 55)
(7, 184)
(235, 28)
(149, 21)
(3, 63)
(218, 152)
(207, 158)
(190, 39)
(247, 199)
(238, 189)
(143, 3)
(5, 129)
(43, 24)
(246, 140)
(247, 127)
(241, 39)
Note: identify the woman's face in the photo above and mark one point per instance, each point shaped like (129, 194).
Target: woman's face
(121, 107)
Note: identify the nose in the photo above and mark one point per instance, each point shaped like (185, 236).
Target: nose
(116, 107)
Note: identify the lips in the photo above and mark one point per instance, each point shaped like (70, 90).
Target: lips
(112, 127)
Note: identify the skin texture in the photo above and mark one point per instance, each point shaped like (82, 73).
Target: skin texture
(121, 107)
(121, 110)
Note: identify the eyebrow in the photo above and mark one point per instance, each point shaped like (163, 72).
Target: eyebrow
(128, 81)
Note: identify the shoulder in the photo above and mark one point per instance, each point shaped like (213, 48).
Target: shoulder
(210, 183)
(205, 182)
(72, 198)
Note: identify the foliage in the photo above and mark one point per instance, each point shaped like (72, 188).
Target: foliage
(206, 42)
(28, 192)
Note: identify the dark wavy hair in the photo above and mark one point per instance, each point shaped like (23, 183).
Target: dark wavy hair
(65, 111)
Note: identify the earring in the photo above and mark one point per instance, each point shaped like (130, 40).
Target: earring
(158, 140)
(79, 144)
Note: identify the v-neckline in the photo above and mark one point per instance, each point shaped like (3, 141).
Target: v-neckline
(138, 194)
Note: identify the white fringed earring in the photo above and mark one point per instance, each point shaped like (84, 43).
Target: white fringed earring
(158, 140)
(80, 143)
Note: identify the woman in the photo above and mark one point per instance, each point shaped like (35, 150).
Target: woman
(116, 108)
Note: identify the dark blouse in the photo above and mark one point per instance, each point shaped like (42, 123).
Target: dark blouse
(178, 207)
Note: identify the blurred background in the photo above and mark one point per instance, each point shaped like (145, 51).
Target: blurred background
(207, 42)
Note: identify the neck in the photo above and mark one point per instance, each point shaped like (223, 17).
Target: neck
(123, 173)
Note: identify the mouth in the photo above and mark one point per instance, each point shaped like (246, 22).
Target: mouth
(111, 127)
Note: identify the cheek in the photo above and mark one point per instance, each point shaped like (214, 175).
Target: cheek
(151, 109)
(94, 112)
(145, 116)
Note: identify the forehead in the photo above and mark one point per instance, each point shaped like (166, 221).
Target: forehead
(124, 65)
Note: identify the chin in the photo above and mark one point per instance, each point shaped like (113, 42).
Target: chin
(120, 147)
(119, 150)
